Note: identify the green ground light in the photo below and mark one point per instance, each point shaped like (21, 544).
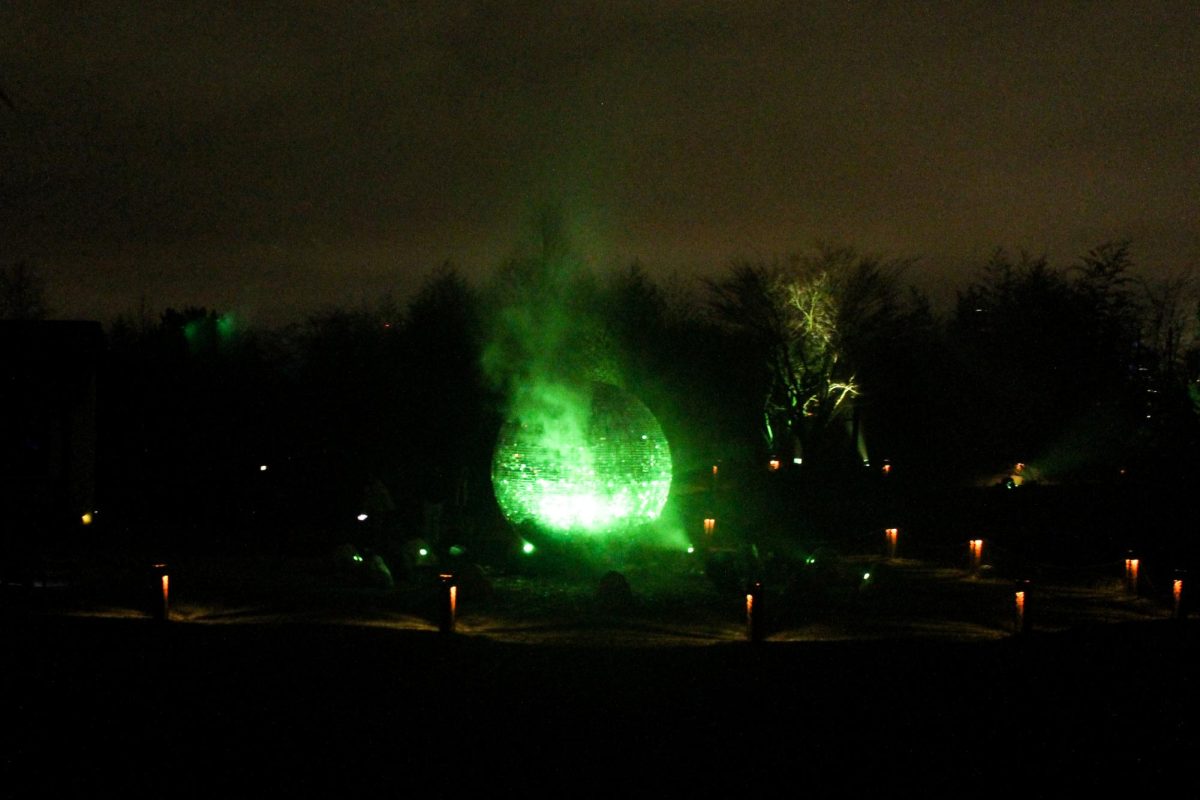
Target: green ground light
(591, 462)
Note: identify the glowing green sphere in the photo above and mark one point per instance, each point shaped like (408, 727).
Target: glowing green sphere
(587, 461)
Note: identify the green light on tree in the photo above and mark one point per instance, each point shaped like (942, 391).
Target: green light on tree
(589, 461)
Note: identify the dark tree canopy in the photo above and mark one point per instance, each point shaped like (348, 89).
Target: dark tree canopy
(1079, 371)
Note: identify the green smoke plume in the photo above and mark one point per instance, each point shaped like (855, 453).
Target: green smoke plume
(578, 457)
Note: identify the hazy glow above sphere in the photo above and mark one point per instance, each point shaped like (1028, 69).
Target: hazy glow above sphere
(591, 461)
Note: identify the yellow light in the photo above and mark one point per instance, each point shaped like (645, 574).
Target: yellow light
(714, 470)
(749, 604)
(86, 519)
(453, 599)
(773, 465)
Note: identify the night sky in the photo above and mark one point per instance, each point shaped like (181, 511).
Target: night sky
(269, 158)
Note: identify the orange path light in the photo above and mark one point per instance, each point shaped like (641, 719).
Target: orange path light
(1131, 574)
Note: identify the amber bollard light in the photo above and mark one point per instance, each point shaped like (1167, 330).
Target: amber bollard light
(754, 612)
(1177, 610)
(160, 606)
(1131, 575)
(976, 554)
(448, 605)
(1021, 622)
(891, 535)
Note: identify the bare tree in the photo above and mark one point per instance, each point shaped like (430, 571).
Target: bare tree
(809, 318)
(1169, 340)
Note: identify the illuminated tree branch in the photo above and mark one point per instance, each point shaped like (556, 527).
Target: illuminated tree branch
(806, 316)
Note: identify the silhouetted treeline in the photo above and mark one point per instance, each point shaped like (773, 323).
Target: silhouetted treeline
(826, 363)
(1070, 369)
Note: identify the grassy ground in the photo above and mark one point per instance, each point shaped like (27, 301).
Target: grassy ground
(669, 598)
(284, 676)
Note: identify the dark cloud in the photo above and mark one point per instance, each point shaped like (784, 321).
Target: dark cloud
(279, 155)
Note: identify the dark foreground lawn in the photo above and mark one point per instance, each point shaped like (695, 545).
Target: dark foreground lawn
(127, 706)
